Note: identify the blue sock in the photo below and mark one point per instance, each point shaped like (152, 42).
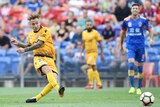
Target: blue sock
(131, 73)
(139, 82)
(131, 79)
(140, 78)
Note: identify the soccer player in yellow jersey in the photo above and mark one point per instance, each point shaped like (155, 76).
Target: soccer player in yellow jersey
(40, 41)
(90, 38)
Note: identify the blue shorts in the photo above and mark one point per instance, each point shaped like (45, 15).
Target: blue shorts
(137, 54)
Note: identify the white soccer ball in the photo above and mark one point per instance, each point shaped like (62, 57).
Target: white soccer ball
(147, 98)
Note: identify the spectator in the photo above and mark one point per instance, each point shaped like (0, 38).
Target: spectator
(2, 24)
(108, 32)
(148, 10)
(15, 31)
(53, 27)
(4, 40)
(120, 61)
(22, 37)
(73, 5)
(82, 20)
(5, 10)
(76, 40)
(28, 65)
(106, 5)
(71, 32)
(71, 21)
(62, 33)
(47, 5)
(155, 29)
(122, 10)
(33, 5)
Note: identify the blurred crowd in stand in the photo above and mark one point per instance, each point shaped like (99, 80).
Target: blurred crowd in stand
(66, 21)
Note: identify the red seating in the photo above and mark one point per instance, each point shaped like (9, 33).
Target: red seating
(98, 20)
(148, 70)
(158, 18)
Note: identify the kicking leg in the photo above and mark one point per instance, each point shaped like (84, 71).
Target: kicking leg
(45, 91)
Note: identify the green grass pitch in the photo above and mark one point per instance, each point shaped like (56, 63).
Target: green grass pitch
(75, 97)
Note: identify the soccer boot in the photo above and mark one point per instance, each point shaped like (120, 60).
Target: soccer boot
(89, 86)
(138, 92)
(31, 100)
(99, 87)
(132, 90)
(61, 91)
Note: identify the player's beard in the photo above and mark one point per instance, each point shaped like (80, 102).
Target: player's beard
(89, 29)
(36, 28)
(135, 13)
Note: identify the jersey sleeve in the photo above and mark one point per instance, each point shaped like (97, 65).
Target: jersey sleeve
(147, 24)
(44, 35)
(98, 37)
(28, 39)
(124, 25)
(83, 35)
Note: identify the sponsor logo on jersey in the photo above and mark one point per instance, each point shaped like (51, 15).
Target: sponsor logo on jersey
(129, 24)
(140, 24)
(37, 36)
(134, 34)
(90, 36)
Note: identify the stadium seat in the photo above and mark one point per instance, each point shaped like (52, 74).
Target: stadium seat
(100, 28)
(12, 53)
(156, 44)
(152, 54)
(149, 76)
(57, 44)
(4, 65)
(2, 52)
(14, 65)
(98, 20)
(117, 29)
(65, 43)
(147, 44)
(112, 43)
(15, 58)
(158, 18)
(102, 66)
(106, 52)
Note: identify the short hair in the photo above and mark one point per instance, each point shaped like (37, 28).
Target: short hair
(88, 20)
(135, 4)
(33, 16)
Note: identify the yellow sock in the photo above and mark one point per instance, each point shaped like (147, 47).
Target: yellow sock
(45, 91)
(52, 81)
(90, 76)
(97, 78)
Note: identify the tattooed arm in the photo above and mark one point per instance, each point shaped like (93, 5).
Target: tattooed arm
(34, 46)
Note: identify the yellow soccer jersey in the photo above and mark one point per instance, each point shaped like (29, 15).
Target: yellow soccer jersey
(90, 40)
(44, 35)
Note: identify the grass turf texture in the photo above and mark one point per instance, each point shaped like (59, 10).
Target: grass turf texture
(75, 97)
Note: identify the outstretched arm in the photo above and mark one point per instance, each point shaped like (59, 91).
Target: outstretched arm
(17, 43)
(23, 45)
(30, 48)
(34, 46)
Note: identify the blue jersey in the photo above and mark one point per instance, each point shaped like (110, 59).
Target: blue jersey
(135, 31)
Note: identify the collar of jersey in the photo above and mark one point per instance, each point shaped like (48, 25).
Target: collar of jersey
(38, 30)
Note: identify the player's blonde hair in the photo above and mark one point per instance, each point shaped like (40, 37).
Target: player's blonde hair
(33, 16)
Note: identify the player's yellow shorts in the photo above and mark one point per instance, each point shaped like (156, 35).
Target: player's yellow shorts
(40, 61)
(91, 58)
